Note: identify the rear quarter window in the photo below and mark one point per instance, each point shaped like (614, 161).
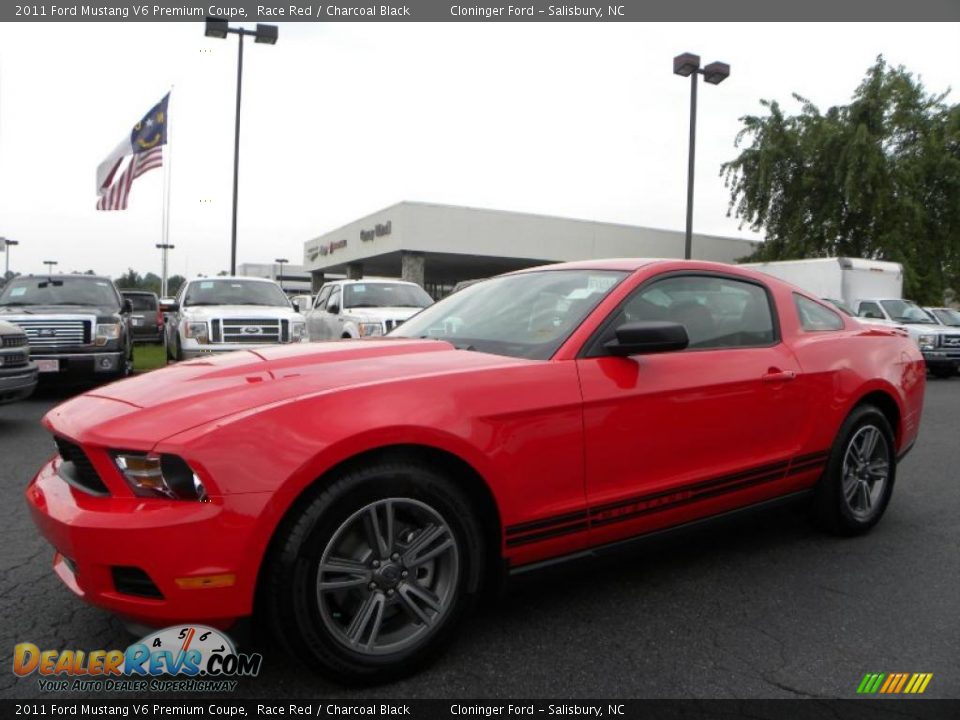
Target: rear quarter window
(815, 317)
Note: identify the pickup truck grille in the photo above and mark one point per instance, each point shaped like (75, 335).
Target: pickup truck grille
(9, 360)
(249, 331)
(56, 333)
(391, 324)
(11, 341)
(951, 341)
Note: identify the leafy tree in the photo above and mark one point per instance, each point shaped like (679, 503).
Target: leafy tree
(130, 280)
(173, 284)
(877, 178)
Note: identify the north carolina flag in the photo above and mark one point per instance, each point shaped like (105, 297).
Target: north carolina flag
(146, 137)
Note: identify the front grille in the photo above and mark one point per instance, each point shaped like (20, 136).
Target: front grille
(392, 324)
(77, 469)
(134, 581)
(246, 331)
(53, 333)
(10, 341)
(13, 359)
(951, 340)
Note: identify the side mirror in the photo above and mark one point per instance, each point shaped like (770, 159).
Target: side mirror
(127, 306)
(335, 309)
(169, 307)
(652, 336)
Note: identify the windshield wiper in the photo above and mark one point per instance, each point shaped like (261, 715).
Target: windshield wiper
(17, 304)
(364, 305)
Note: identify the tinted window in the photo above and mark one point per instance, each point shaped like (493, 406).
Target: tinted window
(717, 312)
(235, 292)
(333, 303)
(948, 316)
(142, 302)
(870, 310)
(322, 297)
(368, 295)
(525, 315)
(77, 290)
(906, 311)
(816, 317)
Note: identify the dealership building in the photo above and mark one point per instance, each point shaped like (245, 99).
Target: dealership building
(437, 246)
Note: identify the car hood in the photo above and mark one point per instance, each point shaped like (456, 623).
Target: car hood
(205, 312)
(140, 411)
(26, 311)
(382, 313)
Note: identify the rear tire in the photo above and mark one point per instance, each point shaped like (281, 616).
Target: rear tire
(856, 486)
(369, 578)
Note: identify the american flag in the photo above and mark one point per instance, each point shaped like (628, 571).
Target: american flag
(116, 189)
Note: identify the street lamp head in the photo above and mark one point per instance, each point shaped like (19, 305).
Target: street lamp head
(716, 72)
(281, 260)
(266, 34)
(216, 28)
(686, 64)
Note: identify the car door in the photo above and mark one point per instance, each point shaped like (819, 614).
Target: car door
(315, 315)
(678, 435)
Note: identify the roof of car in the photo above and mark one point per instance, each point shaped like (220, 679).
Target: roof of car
(61, 276)
(124, 291)
(344, 281)
(231, 277)
(633, 264)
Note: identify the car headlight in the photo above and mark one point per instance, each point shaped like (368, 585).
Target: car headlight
(927, 342)
(368, 329)
(106, 333)
(297, 331)
(166, 476)
(196, 330)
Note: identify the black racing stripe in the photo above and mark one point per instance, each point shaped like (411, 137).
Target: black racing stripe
(696, 497)
(797, 469)
(546, 522)
(822, 455)
(702, 485)
(554, 532)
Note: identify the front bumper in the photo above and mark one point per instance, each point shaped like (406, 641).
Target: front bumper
(169, 541)
(74, 364)
(17, 383)
(942, 358)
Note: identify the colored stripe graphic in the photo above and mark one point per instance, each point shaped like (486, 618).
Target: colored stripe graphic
(894, 683)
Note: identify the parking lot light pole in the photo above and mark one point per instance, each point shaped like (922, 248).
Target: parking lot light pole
(265, 34)
(280, 276)
(7, 243)
(50, 264)
(164, 248)
(688, 65)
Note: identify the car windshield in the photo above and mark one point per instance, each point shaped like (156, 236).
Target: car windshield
(234, 292)
(142, 302)
(79, 290)
(526, 315)
(948, 316)
(906, 311)
(370, 295)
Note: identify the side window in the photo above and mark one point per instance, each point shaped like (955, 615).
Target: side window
(870, 310)
(334, 301)
(322, 297)
(717, 312)
(815, 317)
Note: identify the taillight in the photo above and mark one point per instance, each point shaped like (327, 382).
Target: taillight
(159, 317)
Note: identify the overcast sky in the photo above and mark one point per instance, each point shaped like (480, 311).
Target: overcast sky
(340, 120)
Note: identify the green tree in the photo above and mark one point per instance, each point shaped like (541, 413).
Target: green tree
(130, 280)
(877, 178)
(173, 284)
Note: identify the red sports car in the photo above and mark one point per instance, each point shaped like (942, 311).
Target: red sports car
(359, 495)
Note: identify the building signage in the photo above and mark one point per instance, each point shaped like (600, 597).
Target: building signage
(380, 230)
(327, 248)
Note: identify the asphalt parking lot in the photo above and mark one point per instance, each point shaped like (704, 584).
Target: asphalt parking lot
(763, 607)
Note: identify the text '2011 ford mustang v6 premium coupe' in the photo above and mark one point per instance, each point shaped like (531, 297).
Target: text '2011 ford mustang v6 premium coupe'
(359, 494)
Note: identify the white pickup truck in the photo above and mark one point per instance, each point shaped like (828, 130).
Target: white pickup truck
(362, 308)
(940, 344)
(213, 315)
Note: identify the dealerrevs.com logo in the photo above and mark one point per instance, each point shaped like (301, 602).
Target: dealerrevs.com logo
(191, 658)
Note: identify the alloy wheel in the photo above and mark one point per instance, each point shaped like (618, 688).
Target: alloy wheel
(866, 471)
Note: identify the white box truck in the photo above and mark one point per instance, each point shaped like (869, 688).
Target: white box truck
(873, 290)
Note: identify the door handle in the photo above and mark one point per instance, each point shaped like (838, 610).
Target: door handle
(779, 376)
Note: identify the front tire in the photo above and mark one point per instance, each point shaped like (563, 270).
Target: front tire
(370, 578)
(855, 489)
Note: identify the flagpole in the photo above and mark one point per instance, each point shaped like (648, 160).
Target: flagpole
(167, 173)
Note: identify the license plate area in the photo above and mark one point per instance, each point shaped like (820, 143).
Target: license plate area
(48, 365)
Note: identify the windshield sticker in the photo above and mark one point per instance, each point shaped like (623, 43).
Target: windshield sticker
(17, 292)
(359, 288)
(580, 293)
(101, 283)
(601, 282)
(206, 285)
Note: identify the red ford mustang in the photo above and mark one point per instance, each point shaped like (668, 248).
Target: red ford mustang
(359, 494)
